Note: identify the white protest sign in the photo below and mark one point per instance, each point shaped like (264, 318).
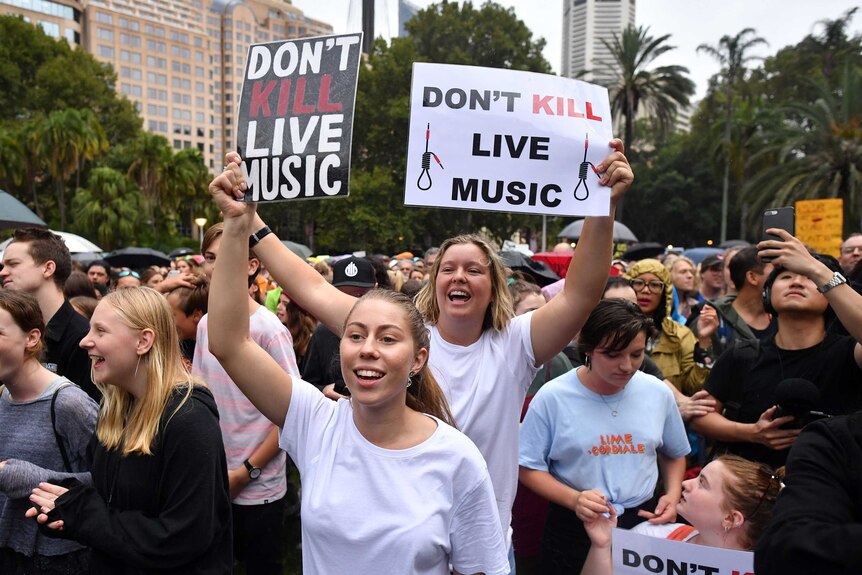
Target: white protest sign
(506, 140)
(636, 554)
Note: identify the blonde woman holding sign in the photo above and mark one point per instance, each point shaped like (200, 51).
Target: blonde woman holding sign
(484, 357)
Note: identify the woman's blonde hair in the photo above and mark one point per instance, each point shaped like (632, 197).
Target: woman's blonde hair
(499, 312)
(423, 394)
(132, 425)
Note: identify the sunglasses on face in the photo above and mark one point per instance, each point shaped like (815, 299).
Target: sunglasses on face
(654, 286)
(125, 273)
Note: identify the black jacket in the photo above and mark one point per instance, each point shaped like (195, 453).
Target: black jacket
(168, 513)
(817, 522)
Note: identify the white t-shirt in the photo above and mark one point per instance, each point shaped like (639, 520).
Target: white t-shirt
(486, 383)
(371, 510)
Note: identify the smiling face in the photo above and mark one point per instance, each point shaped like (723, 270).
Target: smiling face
(463, 285)
(377, 353)
(616, 367)
(111, 345)
(703, 500)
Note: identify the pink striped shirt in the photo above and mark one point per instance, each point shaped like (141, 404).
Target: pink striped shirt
(243, 427)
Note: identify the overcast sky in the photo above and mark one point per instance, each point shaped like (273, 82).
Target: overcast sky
(690, 23)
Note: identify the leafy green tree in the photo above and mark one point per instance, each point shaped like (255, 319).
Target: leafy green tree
(67, 138)
(819, 156)
(109, 207)
(637, 87)
(733, 52)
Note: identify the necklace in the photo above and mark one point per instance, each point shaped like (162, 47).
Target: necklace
(614, 410)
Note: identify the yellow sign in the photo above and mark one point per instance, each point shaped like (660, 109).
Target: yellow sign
(820, 224)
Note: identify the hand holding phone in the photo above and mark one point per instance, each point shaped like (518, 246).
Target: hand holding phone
(781, 218)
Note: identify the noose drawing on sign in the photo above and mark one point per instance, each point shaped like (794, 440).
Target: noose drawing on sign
(426, 163)
(582, 172)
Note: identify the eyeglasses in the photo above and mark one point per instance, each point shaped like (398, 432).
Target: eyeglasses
(654, 286)
(125, 273)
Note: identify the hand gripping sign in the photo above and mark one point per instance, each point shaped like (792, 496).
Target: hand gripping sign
(511, 141)
(296, 117)
(636, 554)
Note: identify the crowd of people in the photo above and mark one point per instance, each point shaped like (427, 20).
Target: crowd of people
(444, 413)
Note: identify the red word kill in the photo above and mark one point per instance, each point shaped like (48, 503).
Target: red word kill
(263, 94)
(559, 106)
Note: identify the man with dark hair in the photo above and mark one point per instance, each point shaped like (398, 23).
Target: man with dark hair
(99, 272)
(712, 277)
(38, 262)
(353, 276)
(803, 290)
(740, 316)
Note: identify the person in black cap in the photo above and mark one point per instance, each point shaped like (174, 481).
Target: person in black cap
(353, 276)
(712, 277)
(804, 291)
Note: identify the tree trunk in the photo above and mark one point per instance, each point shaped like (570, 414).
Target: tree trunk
(725, 185)
(60, 191)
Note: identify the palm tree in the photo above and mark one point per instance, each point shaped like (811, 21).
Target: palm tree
(660, 92)
(732, 54)
(60, 140)
(819, 156)
(152, 155)
(186, 179)
(109, 205)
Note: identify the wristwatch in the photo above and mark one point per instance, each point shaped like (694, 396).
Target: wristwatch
(837, 280)
(253, 472)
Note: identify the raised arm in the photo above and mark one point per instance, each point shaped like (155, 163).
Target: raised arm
(299, 281)
(554, 325)
(253, 370)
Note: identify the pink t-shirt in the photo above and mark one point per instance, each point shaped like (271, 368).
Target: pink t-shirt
(243, 427)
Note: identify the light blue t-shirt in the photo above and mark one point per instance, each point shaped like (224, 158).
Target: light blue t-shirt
(570, 432)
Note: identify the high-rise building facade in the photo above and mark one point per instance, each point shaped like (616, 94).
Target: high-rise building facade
(586, 24)
(180, 61)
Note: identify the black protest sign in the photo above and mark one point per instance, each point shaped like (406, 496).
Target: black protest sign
(296, 117)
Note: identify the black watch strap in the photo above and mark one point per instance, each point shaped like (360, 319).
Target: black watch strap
(253, 472)
(254, 238)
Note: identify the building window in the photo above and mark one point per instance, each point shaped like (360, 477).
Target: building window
(104, 18)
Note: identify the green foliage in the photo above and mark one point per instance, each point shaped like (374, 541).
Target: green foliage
(659, 92)
(108, 207)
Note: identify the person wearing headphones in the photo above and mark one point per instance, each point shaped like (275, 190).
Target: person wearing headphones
(805, 291)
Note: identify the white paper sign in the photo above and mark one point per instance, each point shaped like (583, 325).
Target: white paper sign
(636, 554)
(506, 140)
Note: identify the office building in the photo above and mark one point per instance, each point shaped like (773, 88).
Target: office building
(586, 24)
(180, 61)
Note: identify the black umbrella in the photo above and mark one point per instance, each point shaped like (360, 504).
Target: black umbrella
(642, 251)
(734, 244)
(14, 214)
(301, 250)
(520, 262)
(179, 252)
(137, 258)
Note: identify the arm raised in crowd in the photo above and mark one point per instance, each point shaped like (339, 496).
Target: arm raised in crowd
(298, 280)
(554, 325)
(254, 371)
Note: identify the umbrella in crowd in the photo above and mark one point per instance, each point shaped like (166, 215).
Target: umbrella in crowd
(621, 232)
(697, 255)
(75, 243)
(137, 258)
(180, 252)
(301, 250)
(520, 262)
(14, 214)
(642, 251)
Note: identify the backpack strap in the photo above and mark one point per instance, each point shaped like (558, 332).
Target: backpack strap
(66, 465)
(681, 533)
